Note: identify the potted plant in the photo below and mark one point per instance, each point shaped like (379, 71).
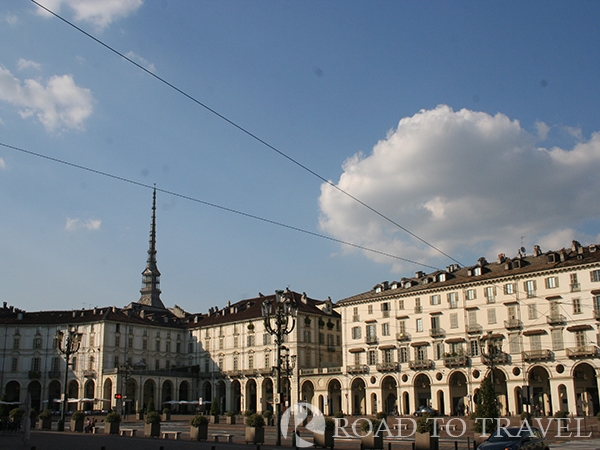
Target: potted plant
(268, 415)
(255, 431)
(45, 420)
(325, 440)
(166, 414)
(152, 425)
(214, 413)
(16, 415)
(199, 428)
(423, 438)
(112, 423)
(371, 438)
(230, 417)
(77, 421)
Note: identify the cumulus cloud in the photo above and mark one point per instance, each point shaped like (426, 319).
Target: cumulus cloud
(141, 61)
(468, 183)
(78, 224)
(60, 104)
(99, 13)
(23, 64)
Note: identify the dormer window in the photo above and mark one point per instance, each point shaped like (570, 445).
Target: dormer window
(476, 271)
(377, 289)
(552, 258)
(442, 277)
(516, 264)
(407, 285)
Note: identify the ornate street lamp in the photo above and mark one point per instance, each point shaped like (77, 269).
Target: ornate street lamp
(280, 319)
(124, 369)
(493, 353)
(67, 344)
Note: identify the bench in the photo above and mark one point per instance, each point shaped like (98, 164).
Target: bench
(96, 429)
(403, 426)
(175, 434)
(127, 432)
(446, 427)
(217, 436)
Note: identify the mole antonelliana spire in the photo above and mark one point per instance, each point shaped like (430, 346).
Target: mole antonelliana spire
(151, 276)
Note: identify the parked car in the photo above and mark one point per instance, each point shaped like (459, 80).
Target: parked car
(516, 438)
(425, 410)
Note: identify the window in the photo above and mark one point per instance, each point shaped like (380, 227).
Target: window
(14, 367)
(385, 307)
(419, 325)
(472, 317)
(514, 344)
(435, 323)
(577, 306)
(115, 362)
(74, 363)
(509, 288)
(580, 339)
(402, 326)
(55, 364)
(400, 304)
(130, 342)
(117, 340)
(267, 360)
(250, 340)
(266, 339)
(91, 363)
(439, 350)
(36, 364)
(157, 345)
(476, 271)
(307, 336)
(221, 343)
(453, 300)
(168, 364)
(16, 343)
(372, 357)
(167, 346)
(178, 347)
(145, 344)
(157, 364)
(357, 359)
(453, 320)
(421, 353)
(37, 343)
(388, 355)
(418, 308)
(491, 315)
(535, 342)
(470, 294)
(574, 283)
(371, 332)
(595, 275)
(355, 316)
(529, 287)
(250, 361)
(435, 300)
(370, 309)
(385, 329)
(551, 282)
(403, 354)
(512, 312)
(190, 347)
(557, 339)
(532, 311)
(490, 294)
(474, 348)
(322, 339)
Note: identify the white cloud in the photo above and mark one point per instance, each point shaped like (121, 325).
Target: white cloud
(11, 19)
(61, 104)
(466, 182)
(2, 164)
(23, 64)
(141, 61)
(100, 13)
(78, 224)
(542, 130)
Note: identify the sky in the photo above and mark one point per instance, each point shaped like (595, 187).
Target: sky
(422, 133)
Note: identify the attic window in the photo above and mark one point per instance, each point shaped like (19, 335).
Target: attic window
(476, 271)
(377, 289)
(442, 277)
(516, 264)
(407, 285)
(552, 258)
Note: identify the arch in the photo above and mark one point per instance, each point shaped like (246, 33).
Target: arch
(308, 391)
(131, 388)
(422, 385)
(107, 393)
(166, 395)
(54, 392)
(405, 403)
(236, 396)
(518, 396)
(35, 391)
(72, 392)
(563, 396)
(389, 395)
(221, 397)
(501, 390)
(89, 391)
(321, 404)
(149, 392)
(374, 403)
(358, 390)
(184, 389)
(334, 397)
(267, 395)
(441, 405)
(251, 395)
(586, 389)
(458, 393)
(541, 398)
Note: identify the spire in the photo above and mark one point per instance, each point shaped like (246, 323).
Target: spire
(151, 276)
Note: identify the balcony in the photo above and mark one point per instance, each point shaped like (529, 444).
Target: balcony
(584, 351)
(249, 372)
(575, 287)
(387, 367)
(54, 374)
(418, 309)
(456, 361)
(421, 364)
(371, 340)
(499, 359)
(385, 313)
(265, 371)
(35, 374)
(556, 319)
(357, 368)
(538, 355)
(437, 332)
(89, 373)
(513, 324)
(403, 336)
(474, 329)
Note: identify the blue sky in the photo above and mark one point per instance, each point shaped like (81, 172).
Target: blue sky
(474, 125)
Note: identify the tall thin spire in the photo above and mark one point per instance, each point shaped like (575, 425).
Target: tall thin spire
(151, 275)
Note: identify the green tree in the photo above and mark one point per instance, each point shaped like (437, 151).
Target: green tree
(486, 407)
(150, 408)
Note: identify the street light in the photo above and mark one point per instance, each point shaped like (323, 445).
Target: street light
(125, 369)
(287, 364)
(493, 352)
(279, 318)
(67, 344)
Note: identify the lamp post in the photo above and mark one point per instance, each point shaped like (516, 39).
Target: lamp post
(279, 319)
(287, 364)
(67, 344)
(491, 355)
(125, 369)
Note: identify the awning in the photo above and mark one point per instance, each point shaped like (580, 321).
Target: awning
(455, 340)
(386, 347)
(356, 350)
(554, 297)
(534, 332)
(420, 344)
(580, 328)
(435, 313)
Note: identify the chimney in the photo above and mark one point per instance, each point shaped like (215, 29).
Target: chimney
(537, 251)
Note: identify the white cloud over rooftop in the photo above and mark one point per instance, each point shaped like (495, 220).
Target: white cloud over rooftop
(99, 13)
(463, 179)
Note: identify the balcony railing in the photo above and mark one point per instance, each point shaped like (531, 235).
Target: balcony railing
(538, 355)
(513, 324)
(456, 361)
(265, 370)
(54, 374)
(474, 328)
(403, 336)
(584, 351)
(437, 332)
(371, 339)
(387, 367)
(249, 372)
(35, 374)
(357, 368)
(556, 319)
(89, 373)
(421, 364)
(499, 359)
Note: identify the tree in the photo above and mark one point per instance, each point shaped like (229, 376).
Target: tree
(150, 408)
(486, 407)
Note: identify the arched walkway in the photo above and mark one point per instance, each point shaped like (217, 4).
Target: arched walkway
(357, 389)
(458, 393)
(131, 394)
(150, 393)
(251, 395)
(389, 395)
(422, 391)
(539, 382)
(35, 391)
(267, 395)
(221, 397)
(236, 396)
(54, 393)
(72, 392)
(334, 394)
(586, 390)
(308, 392)
(166, 395)
(89, 391)
(107, 393)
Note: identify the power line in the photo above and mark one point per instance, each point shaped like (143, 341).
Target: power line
(247, 132)
(213, 205)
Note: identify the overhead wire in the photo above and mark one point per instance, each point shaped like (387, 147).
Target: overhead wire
(245, 131)
(212, 205)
